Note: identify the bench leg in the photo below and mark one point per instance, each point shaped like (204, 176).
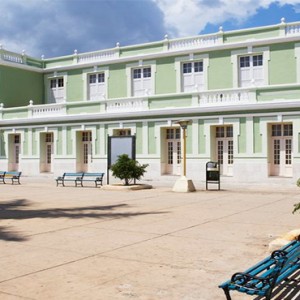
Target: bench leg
(226, 291)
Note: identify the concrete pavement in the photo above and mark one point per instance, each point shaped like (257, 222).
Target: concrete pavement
(88, 243)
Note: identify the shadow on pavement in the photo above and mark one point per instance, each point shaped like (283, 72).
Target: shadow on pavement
(20, 210)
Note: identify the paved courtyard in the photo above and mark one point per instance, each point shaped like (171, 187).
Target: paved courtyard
(88, 243)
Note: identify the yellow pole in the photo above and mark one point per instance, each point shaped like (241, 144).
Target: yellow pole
(184, 152)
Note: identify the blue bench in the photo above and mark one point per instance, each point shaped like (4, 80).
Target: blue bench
(95, 177)
(262, 278)
(74, 177)
(14, 176)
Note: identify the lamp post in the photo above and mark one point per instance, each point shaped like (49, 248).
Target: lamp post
(183, 184)
(183, 124)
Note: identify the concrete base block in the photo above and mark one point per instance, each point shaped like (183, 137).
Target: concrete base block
(183, 185)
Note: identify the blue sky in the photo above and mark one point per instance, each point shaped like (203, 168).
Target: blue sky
(58, 27)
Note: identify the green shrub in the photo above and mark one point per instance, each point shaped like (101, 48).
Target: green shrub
(128, 169)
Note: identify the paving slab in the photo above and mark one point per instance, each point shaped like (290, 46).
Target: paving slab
(92, 243)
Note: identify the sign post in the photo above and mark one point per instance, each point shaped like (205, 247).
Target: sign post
(118, 145)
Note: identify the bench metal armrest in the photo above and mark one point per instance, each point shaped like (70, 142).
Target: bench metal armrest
(250, 282)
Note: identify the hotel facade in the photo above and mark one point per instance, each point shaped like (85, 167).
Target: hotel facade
(240, 90)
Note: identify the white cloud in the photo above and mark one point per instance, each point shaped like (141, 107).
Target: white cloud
(189, 17)
(57, 27)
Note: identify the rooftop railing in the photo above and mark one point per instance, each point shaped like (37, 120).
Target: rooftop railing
(197, 42)
(12, 56)
(96, 56)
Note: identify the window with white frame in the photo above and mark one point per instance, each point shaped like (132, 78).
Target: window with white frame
(56, 90)
(192, 76)
(251, 70)
(142, 81)
(96, 86)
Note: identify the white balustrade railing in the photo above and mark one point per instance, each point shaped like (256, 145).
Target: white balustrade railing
(225, 97)
(47, 110)
(12, 57)
(125, 105)
(195, 42)
(97, 56)
(292, 29)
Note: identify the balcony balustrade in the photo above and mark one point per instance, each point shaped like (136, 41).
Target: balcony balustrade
(126, 105)
(46, 110)
(205, 99)
(230, 97)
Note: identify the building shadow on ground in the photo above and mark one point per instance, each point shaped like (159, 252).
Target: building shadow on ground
(21, 209)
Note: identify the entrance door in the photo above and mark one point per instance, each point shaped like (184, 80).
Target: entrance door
(224, 144)
(49, 151)
(85, 153)
(173, 149)
(46, 152)
(16, 153)
(281, 150)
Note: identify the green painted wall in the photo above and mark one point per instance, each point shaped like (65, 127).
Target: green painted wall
(202, 140)
(151, 137)
(257, 138)
(175, 101)
(26, 141)
(59, 141)
(142, 49)
(98, 140)
(282, 65)
(87, 107)
(35, 138)
(242, 138)
(117, 82)
(18, 86)
(139, 138)
(2, 144)
(189, 140)
(220, 70)
(165, 77)
(61, 61)
(243, 35)
(74, 86)
(16, 114)
(70, 149)
(278, 93)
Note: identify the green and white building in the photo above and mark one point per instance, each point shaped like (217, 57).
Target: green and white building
(240, 90)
